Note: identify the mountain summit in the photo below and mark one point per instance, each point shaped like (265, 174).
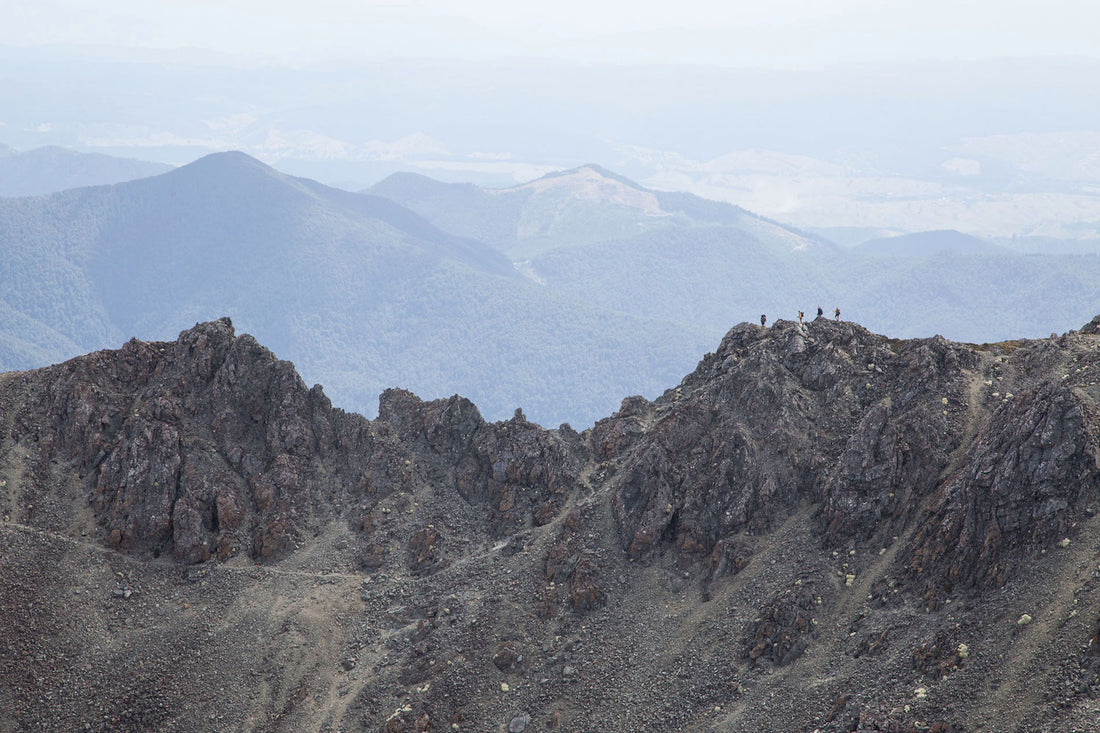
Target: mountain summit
(593, 183)
(575, 208)
(819, 528)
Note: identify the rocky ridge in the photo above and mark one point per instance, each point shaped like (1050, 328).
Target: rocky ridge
(820, 528)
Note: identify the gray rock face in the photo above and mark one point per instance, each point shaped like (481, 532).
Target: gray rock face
(205, 446)
(1028, 478)
(870, 516)
(824, 412)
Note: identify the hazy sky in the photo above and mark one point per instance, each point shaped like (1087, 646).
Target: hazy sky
(777, 33)
(980, 115)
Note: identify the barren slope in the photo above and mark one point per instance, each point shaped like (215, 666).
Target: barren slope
(819, 528)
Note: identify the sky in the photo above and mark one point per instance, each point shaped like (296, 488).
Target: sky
(794, 34)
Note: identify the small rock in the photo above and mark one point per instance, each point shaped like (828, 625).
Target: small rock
(568, 671)
(1024, 620)
(504, 687)
(519, 723)
(348, 664)
(1064, 543)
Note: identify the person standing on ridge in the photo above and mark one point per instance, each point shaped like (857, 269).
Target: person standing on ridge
(763, 320)
(836, 314)
(820, 312)
(800, 316)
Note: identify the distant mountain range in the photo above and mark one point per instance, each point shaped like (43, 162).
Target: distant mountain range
(580, 207)
(677, 257)
(558, 296)
(360, 292)
(50, 169)
(928, 244)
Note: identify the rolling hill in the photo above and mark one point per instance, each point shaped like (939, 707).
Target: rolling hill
(51, 169)
(928, 244)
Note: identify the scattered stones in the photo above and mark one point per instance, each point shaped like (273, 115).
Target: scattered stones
(241, 458)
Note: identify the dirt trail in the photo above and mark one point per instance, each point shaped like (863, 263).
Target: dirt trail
(1022, 680)
(977, 414)
(1023, 677)
(255, 571)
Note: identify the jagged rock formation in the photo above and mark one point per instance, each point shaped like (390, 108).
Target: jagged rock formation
(819, 528)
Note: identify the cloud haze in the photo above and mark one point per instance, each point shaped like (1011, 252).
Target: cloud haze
(779, 34)
(901, 115)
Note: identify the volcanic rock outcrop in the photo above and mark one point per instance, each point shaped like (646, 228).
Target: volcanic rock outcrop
(820, 528)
